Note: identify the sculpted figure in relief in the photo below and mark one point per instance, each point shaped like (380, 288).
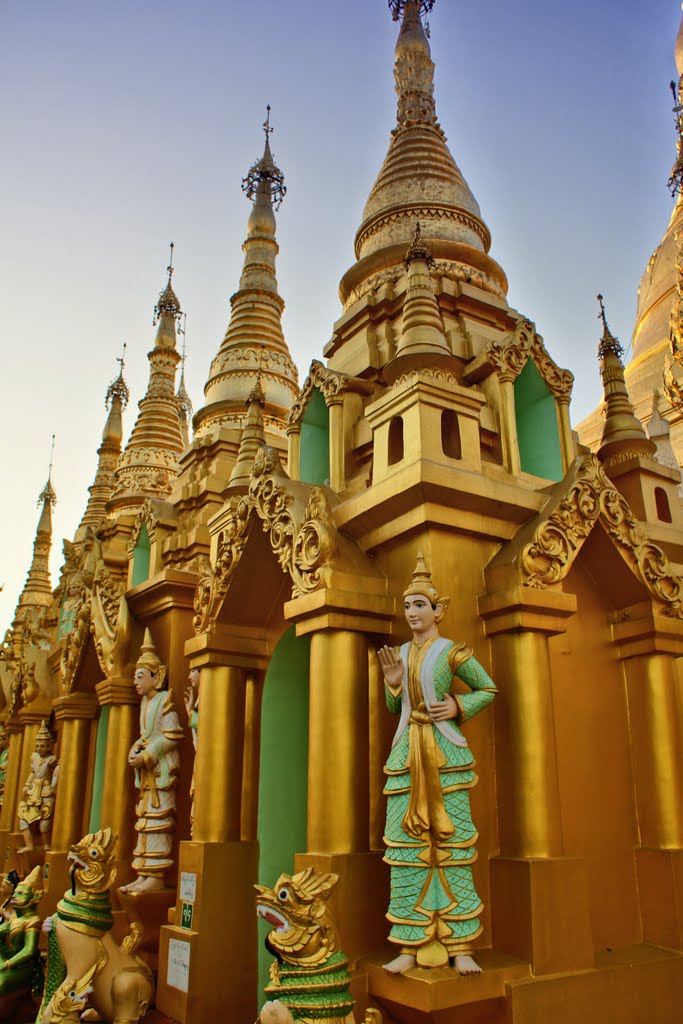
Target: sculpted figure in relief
(434, 908)
(38, 795)
(156, 761)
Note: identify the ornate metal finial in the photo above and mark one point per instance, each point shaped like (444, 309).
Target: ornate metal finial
(418, 250)
(675, 181)
(182, 397)
(168, 300)
(118, 387)
(265, 170)
(608, 343)
(424, 8)
(48, 492)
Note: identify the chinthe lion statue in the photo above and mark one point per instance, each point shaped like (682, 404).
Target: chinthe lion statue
(85, 967)
(309, 980)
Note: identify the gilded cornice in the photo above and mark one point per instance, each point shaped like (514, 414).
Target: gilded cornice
(508, 357)
(452, 270)
(332, 384)
(590, 497)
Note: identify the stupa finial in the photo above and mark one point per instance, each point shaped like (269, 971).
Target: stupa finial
(168, 300)
(118, 387)
(48, 495)
(608, 342)
(265, 175)
(418, 249)
(182, 395)
(424, 7)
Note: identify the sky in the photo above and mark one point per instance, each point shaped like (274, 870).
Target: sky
(130, 125)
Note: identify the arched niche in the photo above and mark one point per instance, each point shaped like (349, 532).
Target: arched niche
(538, 435)
(283, 769)
(314, 459)
(141, 556)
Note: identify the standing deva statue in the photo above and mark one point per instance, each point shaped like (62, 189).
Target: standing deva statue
(434, 908)
(38, 795)
(156, 761)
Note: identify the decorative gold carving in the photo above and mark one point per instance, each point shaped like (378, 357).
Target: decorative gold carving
(449, 269)
(549, 556)
(212, 588)
(424, 213)
(509, 357)
(673, 387)
(332, 384)
(431, 374)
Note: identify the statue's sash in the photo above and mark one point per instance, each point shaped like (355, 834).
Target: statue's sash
(446, 729)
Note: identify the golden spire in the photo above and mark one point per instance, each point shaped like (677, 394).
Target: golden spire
(419, 178)
(255, 321)
(253, 438)
(149, 463)
(38, 589)
(622, 434)
(116, 400)
(182, 396)
(422, 342)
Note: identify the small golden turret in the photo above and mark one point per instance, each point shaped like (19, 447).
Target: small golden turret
(253, 438)
(38, 589)
(108, 454)
(149, 463)
(622, 433)
(254, 335)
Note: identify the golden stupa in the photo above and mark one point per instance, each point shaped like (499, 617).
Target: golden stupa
(271, 553)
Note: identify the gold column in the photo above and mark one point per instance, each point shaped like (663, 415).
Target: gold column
(565, 428)
(251, 757)
(118, 790)
(508, 426)
(530, 823)
(294, 451)
(75, 714)
(9, 803)
(338, 743)
(337, 469)
(218, 770)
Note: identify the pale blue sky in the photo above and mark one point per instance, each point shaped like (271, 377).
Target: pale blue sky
(128, 125)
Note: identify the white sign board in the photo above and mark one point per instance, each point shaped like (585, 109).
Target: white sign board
(178, 973)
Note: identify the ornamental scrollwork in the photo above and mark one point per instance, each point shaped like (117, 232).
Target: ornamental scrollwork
(549, 555)
(510, 358)
(212, 588)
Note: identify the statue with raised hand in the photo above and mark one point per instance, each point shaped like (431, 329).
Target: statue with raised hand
(434, 908)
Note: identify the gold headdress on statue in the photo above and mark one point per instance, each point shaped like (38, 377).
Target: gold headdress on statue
(421, 583)
(44, 733)
(150, 660)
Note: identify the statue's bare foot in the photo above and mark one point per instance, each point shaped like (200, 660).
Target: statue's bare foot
(466, 965)
(25, 849)
(400, 964)
(144, 884)
(129, 886)
(275, 1012)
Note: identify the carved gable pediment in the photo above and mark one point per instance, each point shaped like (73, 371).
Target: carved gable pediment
(508, 356)
(332, 384)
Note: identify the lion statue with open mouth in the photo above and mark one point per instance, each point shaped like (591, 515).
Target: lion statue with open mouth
(85, 966)
(309, 980)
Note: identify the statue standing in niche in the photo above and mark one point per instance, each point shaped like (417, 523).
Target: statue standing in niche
(192, 709)
(38, 795)
(156, 761)
(434, 908)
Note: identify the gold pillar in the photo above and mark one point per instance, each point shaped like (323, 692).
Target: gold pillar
(218, 769)
(118, 789)
(565, 428)
(251, 757)
(9, 803)
(530, 823)
(508, 427)
(294, 451)
(337, 469)
(338, 743)
(75, 714)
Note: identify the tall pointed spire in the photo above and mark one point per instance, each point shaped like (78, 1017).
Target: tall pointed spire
(38, 589)
(253, 438)
(149, 463)
(182, 396)
(622, 434)
(256, 318)
(116, 400)
(419, 178)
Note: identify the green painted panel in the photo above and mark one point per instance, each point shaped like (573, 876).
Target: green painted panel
(98, 774)
(283, 776)
(141, 558)
(314, 457)
(538, 434)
